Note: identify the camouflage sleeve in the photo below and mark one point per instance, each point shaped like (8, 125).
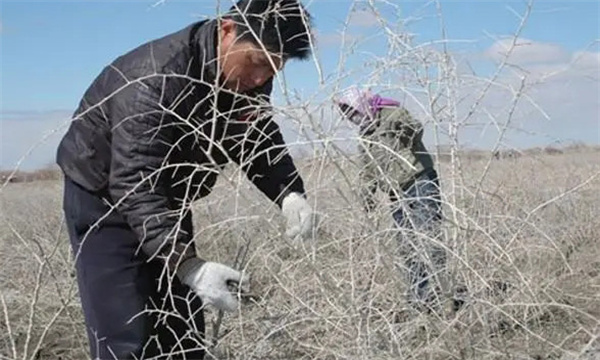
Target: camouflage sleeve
(408, 128)
(367, 182)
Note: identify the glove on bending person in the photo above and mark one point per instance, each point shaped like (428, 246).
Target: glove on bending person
(210, 282)
(301, 219)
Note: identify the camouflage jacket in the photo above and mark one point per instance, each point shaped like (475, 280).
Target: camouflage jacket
(392, 154)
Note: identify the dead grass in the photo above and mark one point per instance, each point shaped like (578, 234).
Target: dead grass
(532, 222)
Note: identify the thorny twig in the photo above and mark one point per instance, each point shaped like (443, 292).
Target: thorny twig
(238, 264)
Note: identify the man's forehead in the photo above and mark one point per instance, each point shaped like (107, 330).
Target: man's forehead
(277, 57)
(269, 57)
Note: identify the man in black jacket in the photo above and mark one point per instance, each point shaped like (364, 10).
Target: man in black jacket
(148, 138)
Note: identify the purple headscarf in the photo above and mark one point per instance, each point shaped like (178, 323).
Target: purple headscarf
(376, 103)
(362, 107)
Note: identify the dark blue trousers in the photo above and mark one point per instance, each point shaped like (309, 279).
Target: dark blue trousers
(131, 309)
(419, 213)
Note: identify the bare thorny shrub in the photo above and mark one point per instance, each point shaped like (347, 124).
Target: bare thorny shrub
(529, 224)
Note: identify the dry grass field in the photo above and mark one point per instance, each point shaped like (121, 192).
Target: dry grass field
(532, 222)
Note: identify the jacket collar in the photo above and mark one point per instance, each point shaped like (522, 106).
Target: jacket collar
(204, 44)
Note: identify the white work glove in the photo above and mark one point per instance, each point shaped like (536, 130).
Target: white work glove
(301, 220)
(210, 282)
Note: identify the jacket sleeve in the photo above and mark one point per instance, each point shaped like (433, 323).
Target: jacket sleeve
(367, 187)
(407, 127)
(141, 141)
(269, 166)
(264, 156)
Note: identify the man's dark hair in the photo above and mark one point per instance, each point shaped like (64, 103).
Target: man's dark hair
(282, 26)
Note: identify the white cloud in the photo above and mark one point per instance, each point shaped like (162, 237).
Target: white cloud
(334, 39)
(586, 60)
(29, 139)
(329, 39)
(363, 18)
(540, 61)
(524, 51)
(559, 102)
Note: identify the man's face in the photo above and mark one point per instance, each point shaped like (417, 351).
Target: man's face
(244, 66)
(352, 114)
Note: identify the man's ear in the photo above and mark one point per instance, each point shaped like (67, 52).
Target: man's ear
(227, 32)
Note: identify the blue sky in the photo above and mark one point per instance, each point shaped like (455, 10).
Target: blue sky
(51, 50)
